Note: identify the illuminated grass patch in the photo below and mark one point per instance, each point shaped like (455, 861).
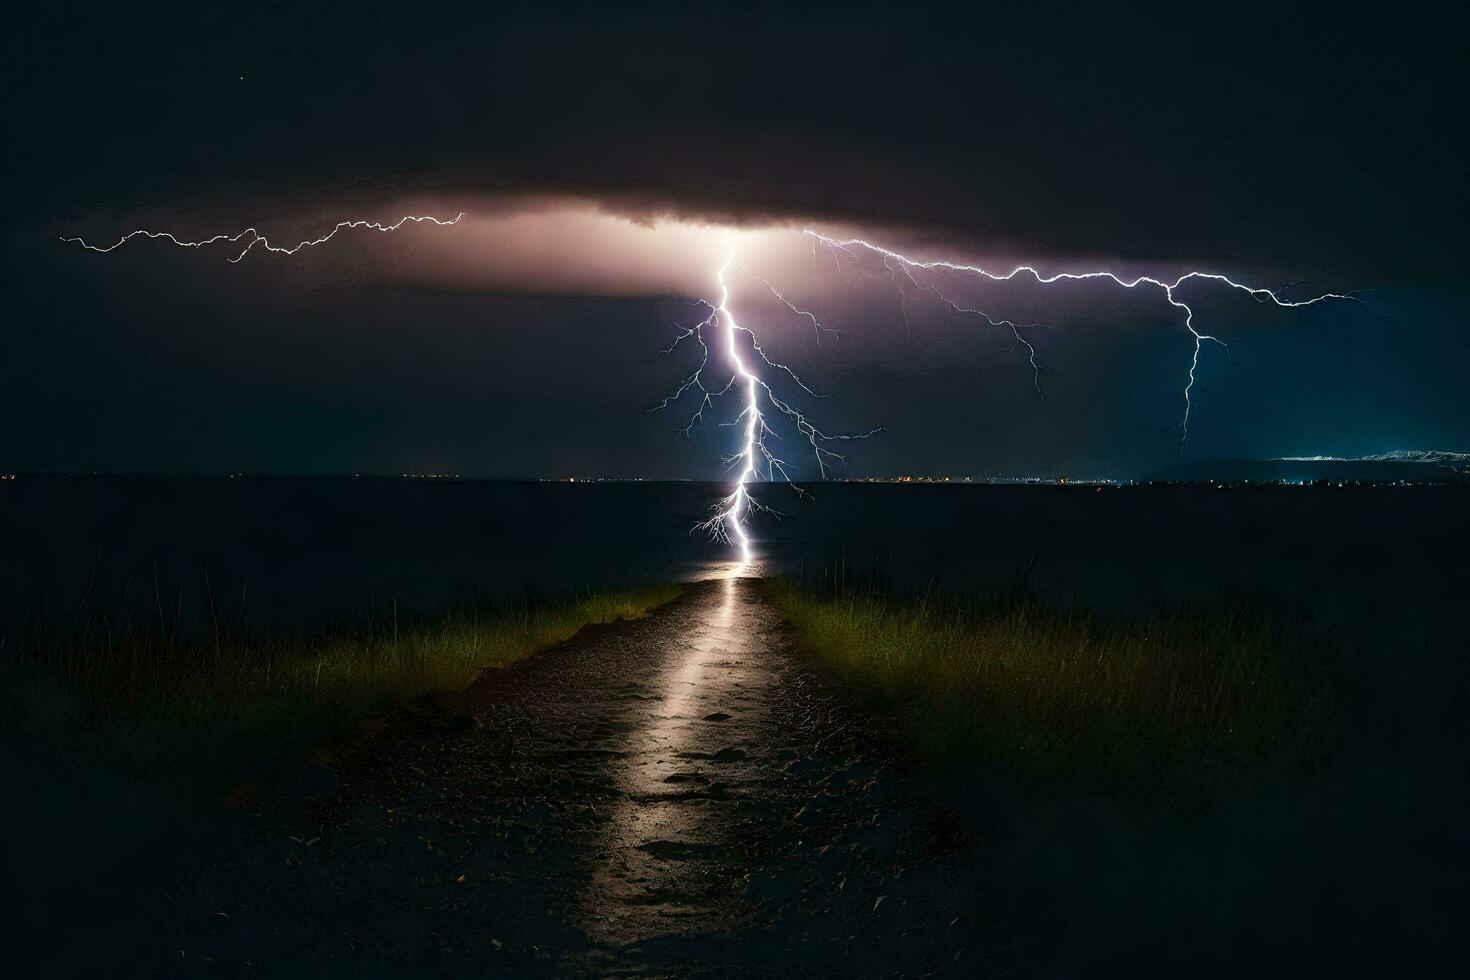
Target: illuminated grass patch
(1051, 693)
(295, 683)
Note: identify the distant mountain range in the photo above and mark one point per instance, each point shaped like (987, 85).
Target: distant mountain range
(1411, 465)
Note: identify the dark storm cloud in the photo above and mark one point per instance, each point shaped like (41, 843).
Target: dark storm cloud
(1274, 142)
(1315, 142)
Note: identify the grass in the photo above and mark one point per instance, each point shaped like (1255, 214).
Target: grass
(1044, 693)
(1269, 788)
(141, 694)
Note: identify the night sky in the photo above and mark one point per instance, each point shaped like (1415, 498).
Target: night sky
(1293, 148)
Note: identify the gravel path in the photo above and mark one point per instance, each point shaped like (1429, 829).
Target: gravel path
(680, 796)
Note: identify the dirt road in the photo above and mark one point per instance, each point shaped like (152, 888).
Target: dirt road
(680, 796)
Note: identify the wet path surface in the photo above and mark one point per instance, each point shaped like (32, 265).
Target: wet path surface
(690, 733)
(679, 796)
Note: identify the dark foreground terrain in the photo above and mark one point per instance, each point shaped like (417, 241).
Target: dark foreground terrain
(679, 796)
(715, 790)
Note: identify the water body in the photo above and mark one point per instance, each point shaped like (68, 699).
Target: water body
(284, 553)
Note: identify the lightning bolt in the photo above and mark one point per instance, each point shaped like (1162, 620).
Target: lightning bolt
(253, 238)
(755, 461)
(894, 260)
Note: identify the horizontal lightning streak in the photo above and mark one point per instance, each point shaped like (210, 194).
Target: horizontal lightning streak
(254, 238)
(1259, 293)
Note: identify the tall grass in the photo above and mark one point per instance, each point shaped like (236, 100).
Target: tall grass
(294, 682)
(1047, 693)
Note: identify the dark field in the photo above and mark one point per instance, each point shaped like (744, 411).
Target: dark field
(1172, 730)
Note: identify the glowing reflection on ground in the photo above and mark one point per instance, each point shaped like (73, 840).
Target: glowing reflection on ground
(684, 770)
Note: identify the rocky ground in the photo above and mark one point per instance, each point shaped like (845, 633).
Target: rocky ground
(681, 796)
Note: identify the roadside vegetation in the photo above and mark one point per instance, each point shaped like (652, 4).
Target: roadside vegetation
(143, 697)
(1013, 684)
(1257, 773)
